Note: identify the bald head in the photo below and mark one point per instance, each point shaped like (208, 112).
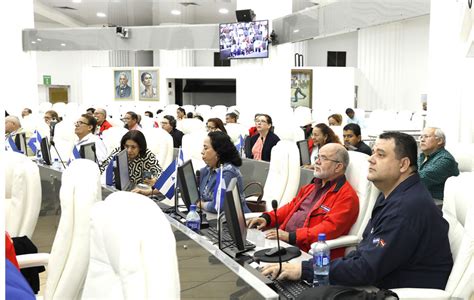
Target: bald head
(12, 124)
(100, 115)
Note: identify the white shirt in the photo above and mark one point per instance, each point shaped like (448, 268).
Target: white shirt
(100, 149)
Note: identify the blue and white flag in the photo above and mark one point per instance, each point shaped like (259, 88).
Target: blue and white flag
(219, 190)
(35, 142)
(11, 145)
(109, 172)
(167, 181)
(180, 157)
(239, 144)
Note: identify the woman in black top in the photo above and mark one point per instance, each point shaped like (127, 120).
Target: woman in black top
(262, 143)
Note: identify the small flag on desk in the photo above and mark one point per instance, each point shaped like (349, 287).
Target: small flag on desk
(219, 190)
(11, 145)
(239, 144)
(109, 172)
(180, 157)
(35, 142)
(166, 183)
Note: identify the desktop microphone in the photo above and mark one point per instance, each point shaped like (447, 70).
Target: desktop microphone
(280, 250)
(52, 124)
(198, 178)
(57, 152)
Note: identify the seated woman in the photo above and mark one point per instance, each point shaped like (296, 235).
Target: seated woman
(141, 161)
(219, 150)
(51, 115)
(335, 120)
(215, 124)
(85, 127)
(322, 135)
(261, 144)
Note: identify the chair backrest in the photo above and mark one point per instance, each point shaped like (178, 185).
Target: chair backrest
(190, 125)
(22, 194)
(302, 115)
(64, 138)
(113, 136)
(160, 143)
(464, 155)
(69, 258)
(356, 175)
(294, 171)
(458, 210)
(192, 147)
(60, 108)
(44, 107)
(234, 130)
(133, 251)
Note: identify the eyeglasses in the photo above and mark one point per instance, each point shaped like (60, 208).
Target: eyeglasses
(209, 128)
(322, 158)
(425, 136)
(79, 123)
(164, 123)
(261, 122)
(125, 119)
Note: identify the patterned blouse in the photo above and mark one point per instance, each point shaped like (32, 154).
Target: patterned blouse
(149, 162)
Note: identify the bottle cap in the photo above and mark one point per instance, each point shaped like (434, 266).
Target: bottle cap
(192, 207)
(321, 237)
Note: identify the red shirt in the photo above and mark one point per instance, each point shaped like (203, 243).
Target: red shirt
(105, 125)
(10, 253)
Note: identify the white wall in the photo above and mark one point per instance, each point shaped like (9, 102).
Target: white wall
(393, 63)
(204, 58)
(67, 67)
(318, 48)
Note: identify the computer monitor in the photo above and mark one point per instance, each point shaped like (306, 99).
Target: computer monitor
(20, 142)
(87, 151)
(187, 184)
(234, 215)
(45, 151)
(304, 152)
(122, 177)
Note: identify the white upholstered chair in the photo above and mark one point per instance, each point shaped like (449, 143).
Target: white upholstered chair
(112, 137)
(356, 175)
(192, 146)
(69, 258)
(234, 130)
(160, 143)
(22, 194)
(458, 210)
(464, 155)
(190, 125)
(64, 138)
(133, 251)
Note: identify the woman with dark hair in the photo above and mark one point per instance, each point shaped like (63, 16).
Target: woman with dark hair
(218, 150)
(180, 113)
(141, 161)
(215, 124)
(261, 144)
(51, 115)
(322, 135)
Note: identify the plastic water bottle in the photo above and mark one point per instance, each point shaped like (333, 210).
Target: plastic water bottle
(321, 259)
(57, 165)
(193, 221)
(39, 156)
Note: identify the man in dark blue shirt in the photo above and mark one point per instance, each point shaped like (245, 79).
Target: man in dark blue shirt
(405, 243)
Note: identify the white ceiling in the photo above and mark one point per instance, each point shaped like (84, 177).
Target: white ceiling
(143, 12)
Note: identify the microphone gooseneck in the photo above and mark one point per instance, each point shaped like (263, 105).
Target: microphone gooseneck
(275, 206)
(57, 152)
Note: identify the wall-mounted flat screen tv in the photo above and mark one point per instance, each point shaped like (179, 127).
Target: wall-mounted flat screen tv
(243, 40)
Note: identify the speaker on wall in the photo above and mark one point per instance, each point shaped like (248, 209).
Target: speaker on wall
(245, 15)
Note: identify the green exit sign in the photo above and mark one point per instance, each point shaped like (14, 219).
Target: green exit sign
(47, 79)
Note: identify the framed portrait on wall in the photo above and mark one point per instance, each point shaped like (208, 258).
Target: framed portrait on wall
(301, 88)
(148, 86)
(123, 84)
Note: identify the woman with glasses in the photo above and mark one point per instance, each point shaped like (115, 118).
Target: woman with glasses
(85, 128)
(218, 150)
(261, 144)
(322, 135)
(143, 166)
(215, 124)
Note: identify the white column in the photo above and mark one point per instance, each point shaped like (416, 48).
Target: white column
(19, 68)
(176, 58)
(451, 90)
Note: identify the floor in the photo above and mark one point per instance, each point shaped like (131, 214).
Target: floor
(201, 277)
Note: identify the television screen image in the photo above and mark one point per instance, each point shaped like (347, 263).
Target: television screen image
(243, 40)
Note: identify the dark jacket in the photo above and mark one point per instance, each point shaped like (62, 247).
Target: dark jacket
(405, 244)
(270, 141)
(177, 137)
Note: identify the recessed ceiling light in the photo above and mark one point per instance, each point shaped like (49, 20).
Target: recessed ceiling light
(175, 12)
(296, 31)
(39, 40)
(62, 44)
(76, 1)
(101, 15)
(223, 11)
(33, 42)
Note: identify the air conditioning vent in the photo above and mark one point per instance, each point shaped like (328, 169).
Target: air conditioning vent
(66, 7)
(186, 4)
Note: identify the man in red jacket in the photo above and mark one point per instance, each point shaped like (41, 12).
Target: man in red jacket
(327, 205)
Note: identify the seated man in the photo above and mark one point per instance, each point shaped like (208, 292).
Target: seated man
(101, 115)
(435, 164)
(353, 139)
(405, 243)
(328, 205)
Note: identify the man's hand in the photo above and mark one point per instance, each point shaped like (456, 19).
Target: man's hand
(272, 235)
(290, 271)
(258, 223)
